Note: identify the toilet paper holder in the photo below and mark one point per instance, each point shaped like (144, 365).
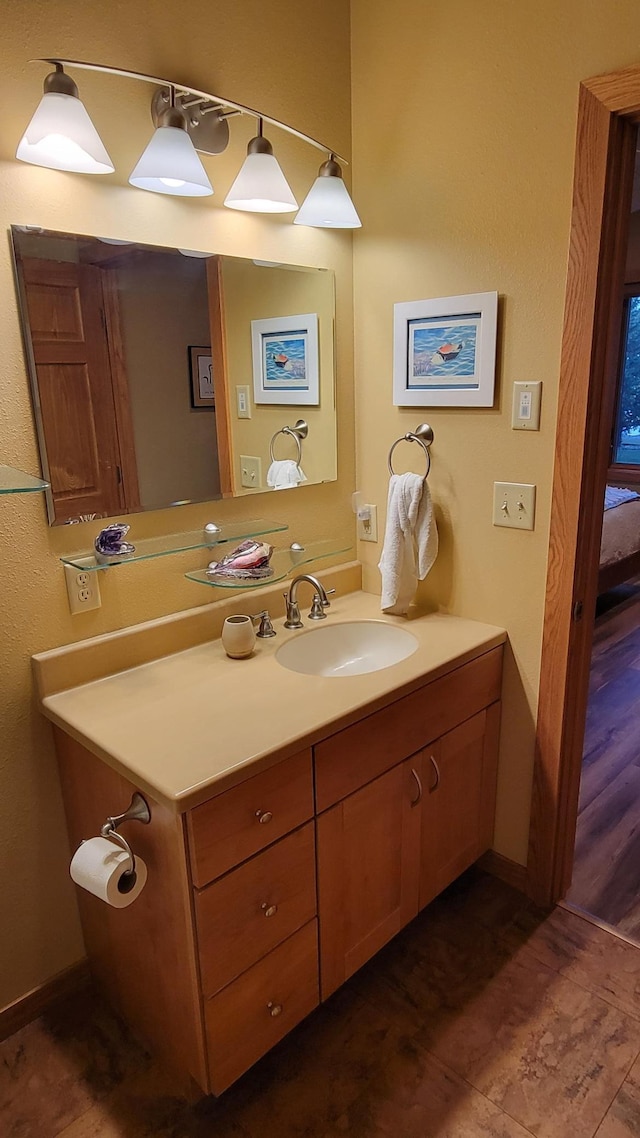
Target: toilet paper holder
(137, 811)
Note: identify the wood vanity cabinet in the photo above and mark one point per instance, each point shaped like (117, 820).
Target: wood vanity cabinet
(393, 842)
(230, 944)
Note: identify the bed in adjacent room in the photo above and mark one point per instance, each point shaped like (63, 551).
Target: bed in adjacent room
(620, 545)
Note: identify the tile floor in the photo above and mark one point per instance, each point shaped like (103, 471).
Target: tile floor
(484, 1019)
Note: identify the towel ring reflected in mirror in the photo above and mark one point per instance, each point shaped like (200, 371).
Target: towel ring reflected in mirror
(299, 432)
(423, 435)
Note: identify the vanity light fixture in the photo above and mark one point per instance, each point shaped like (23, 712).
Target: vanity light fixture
(187, 120)
(328, 204)
(261, 187)
(61, 135)
(169, 164)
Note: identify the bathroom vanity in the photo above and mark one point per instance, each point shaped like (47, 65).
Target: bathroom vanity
(297, 822)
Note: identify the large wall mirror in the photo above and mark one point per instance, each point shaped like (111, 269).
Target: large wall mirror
(161, 376)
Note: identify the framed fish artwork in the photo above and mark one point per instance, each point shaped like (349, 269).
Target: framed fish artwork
(285, 360)
(444, 351)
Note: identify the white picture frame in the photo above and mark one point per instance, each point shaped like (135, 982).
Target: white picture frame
(444, 351)
(285, 360)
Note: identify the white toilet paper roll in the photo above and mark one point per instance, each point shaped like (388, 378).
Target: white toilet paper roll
(100, 867)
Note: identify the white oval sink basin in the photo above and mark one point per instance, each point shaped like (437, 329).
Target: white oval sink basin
(349, 649)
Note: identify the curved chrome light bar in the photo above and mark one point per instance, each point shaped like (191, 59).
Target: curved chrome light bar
(226, 107)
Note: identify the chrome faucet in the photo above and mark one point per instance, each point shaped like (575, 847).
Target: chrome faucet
(320, 601)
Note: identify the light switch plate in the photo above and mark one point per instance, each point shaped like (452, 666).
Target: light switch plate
(243, 402)
(525, 415)
(250, 471)
(514, 505)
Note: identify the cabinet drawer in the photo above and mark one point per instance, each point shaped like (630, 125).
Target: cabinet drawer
(360, 753)
(251, 1015)
(245, 914)
(238, 823)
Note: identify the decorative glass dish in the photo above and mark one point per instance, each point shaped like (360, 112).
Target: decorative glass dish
(283, 562)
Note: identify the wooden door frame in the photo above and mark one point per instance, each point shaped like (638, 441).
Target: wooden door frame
(609, 106)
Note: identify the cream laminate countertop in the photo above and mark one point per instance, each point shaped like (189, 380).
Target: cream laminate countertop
(191, 724)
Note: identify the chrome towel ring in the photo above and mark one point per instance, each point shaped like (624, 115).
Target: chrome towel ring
(423, 435)
(299, 432)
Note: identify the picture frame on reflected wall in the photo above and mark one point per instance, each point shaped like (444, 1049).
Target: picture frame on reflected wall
(201, 378)
(444, 351)
(285, 360)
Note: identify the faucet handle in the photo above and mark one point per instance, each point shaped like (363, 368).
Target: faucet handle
(266, 628)
(293, 613)
(317, 608)
(328, 593)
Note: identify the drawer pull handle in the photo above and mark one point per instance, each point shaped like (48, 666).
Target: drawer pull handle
(415, 801)
(264, 816)
(437, 773)
(269, 910)
(274, 1009)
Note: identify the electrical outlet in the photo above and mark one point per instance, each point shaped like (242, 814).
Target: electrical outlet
(250, 471)
(368, 522)
(83, 589)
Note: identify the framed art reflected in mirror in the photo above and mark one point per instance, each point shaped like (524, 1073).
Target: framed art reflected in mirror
(201, 378)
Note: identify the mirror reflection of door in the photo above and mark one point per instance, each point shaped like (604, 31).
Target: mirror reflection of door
(85, 412)
(108, 329)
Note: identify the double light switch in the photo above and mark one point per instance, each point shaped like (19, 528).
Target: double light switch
(514, 504)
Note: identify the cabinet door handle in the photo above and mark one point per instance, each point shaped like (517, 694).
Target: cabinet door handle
(415, 801)
(274, 1009)
(437, 773)
(264, 816)
(269, 910)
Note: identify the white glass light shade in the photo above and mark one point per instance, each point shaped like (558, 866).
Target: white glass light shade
(261, 187)
(61, 136)
(328, 206)
(170, 165)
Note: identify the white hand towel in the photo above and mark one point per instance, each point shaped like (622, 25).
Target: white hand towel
(410, 541)
(284, 472)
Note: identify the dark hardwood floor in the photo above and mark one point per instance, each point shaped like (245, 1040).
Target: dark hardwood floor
(606, 878)
(485, 1018)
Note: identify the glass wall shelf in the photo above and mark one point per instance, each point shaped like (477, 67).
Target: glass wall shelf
(14, 481)
(283, 562)
(148, 547)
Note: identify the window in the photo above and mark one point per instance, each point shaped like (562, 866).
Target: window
(625, 451)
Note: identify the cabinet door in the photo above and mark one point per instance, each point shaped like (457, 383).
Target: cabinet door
(368, 871)
(458, 774)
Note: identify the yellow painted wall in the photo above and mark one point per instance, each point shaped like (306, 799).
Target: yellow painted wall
(463, 121)
(254, 293)
(163, 309)
(239, 50)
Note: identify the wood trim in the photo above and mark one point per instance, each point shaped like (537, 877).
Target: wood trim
(121, 392)
(220, 385)
(26, 1008)
(618, 91)
(618, 572)
(603, 178)
(618, 474)
(504, 869)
